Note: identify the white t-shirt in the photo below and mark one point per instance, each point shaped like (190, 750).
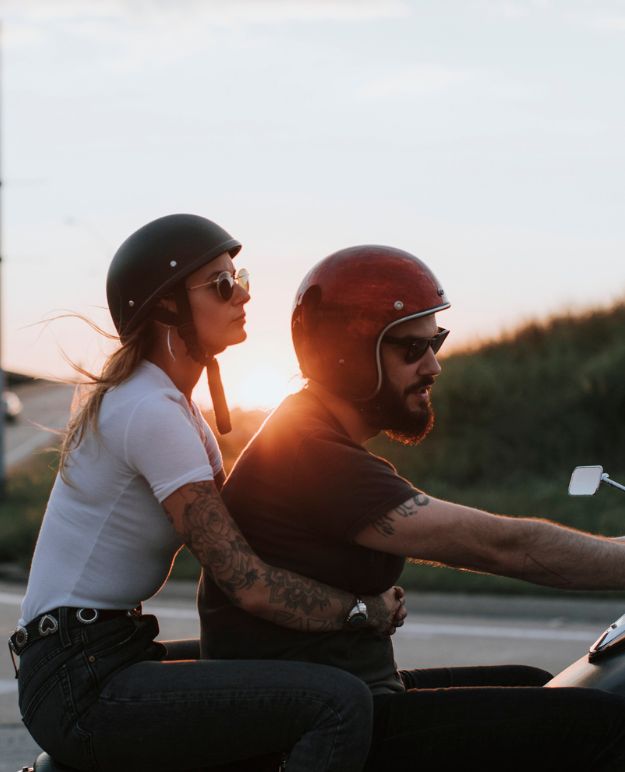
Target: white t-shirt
(105, 540)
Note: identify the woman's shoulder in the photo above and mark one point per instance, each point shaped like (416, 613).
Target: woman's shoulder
(148, 389)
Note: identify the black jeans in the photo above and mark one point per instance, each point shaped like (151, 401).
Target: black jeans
(495, 718)
(107, 697)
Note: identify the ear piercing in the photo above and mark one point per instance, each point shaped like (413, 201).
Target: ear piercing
(169, 346)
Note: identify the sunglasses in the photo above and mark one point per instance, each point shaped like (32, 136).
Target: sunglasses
(224, 283)
(416, 347)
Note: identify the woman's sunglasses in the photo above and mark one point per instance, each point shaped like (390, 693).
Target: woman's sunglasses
(224, 283)
(416, 347)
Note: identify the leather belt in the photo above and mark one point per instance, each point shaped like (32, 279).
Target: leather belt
(48, 624)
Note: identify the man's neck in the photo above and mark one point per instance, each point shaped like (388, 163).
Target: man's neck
(345, 412)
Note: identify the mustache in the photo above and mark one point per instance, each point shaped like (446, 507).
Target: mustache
(422, 383)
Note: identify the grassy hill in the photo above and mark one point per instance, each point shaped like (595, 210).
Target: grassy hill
(513, 417)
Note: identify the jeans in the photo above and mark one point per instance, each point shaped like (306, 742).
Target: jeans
(493, 718)
(106, 696)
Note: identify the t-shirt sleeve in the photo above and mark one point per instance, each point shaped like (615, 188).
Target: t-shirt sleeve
(162, 444)
(343, 488)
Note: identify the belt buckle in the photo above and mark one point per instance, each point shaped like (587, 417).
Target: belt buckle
(19, 639)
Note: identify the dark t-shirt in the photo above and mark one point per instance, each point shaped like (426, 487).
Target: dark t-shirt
(300, 492)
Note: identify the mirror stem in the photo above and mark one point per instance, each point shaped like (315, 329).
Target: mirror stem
(606, 479)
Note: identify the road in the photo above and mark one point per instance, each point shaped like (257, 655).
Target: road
(441, 630)
(46, 406)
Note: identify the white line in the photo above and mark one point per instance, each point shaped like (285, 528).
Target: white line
(418, 630)
(8, 686)
(10, 599)
(167, 612)
(409, 630)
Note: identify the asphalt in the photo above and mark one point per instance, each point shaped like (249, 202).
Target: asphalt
(441, 630)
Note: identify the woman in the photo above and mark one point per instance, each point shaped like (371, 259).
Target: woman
(139, 477)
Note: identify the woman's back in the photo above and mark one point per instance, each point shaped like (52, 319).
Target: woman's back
(105, 517)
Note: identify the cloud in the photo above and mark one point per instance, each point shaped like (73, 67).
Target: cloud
(134, 28)
(417, 80)
(205, 11)
(512, 9)
(610, 23)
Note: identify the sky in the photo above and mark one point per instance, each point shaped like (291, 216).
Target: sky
(484, 136)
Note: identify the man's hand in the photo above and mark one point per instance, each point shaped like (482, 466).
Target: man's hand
(387, 611)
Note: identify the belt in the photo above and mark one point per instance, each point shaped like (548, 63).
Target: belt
(48, 624)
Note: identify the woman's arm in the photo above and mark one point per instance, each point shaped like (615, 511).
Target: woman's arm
(200, 517)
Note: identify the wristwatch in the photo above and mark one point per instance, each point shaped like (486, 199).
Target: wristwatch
(358, 615)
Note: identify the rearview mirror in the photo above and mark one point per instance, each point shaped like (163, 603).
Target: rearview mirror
(585, 480)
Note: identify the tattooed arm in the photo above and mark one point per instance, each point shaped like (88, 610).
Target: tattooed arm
(440, 532)
(200, 517)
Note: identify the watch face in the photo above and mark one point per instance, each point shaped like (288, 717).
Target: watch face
(357, 620)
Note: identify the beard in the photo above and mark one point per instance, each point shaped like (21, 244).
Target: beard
(388, 412)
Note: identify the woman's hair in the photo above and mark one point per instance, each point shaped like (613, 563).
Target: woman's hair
(116, 369)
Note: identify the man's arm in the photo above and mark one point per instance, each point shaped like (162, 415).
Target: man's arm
(200, 517)
(538, 551)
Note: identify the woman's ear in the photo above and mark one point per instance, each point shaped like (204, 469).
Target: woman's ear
(166, 311)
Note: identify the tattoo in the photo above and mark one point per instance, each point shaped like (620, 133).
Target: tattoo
(306, 625)
(295, 592)
(214, 538)
(385, 524)
(531, 560)
(198, 514)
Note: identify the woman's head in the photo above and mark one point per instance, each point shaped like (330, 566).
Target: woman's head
(154, 263)
(175, 273)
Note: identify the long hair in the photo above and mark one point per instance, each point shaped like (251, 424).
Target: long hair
(116, 369)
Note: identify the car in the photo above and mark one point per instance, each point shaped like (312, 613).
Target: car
(12, 405)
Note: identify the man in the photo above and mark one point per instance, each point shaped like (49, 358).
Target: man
(308, 496)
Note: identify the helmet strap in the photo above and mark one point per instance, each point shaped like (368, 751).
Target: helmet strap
(220, 406)
(186, 330)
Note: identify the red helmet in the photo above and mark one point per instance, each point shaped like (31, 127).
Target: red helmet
(344, 306)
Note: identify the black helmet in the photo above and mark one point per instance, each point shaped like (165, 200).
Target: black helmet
(153, 262)
(154, 259)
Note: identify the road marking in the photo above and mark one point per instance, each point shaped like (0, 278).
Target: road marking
(409, 630)
(10, 599)
(430, 630)
(8, 685)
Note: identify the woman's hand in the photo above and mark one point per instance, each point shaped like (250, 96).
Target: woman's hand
(387, 611)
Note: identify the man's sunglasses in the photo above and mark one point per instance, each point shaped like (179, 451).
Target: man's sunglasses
(416, 347)
(224, 283)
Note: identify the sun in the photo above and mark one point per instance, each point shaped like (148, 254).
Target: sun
(262, 386)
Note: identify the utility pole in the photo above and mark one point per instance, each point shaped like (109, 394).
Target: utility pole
(2, 409)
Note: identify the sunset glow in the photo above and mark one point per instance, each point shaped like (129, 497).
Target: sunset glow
(490, 147)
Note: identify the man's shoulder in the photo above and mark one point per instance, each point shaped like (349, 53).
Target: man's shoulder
(298, 418)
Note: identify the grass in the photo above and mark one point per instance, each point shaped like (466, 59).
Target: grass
(23, 506)
(513, 417)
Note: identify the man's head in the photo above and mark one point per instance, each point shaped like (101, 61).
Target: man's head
(359, 323)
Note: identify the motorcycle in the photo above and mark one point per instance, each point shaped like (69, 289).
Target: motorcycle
(602, 668)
